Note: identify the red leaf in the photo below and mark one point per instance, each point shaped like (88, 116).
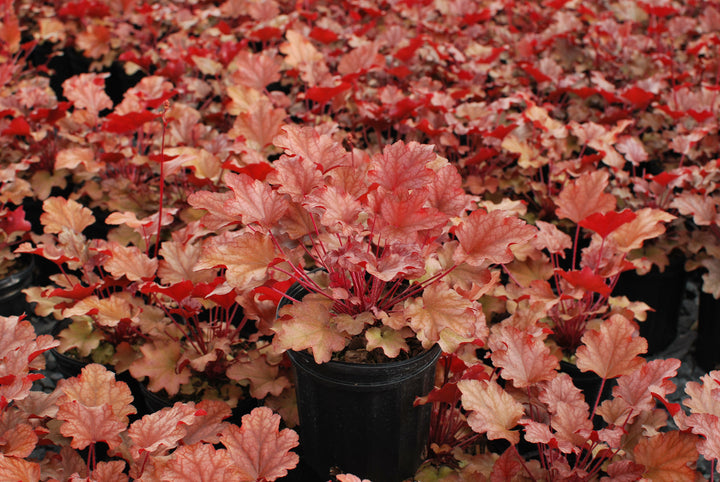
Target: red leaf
(14, 221)
(178, 291)
(18, 127)
(405, 53)
(586, 280)
(476, 17)
(664, 178)
(606, 223)
(323, 35)
(77, 292)
(638, 97)
(322, 95)
(264, 34)
(123, 123)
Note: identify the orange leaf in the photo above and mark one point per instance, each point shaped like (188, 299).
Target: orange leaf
(12, 468)
(246, 256)
(486, 237)
(130, 262)
(492, 409)
(95, 387)
(647, 224)
(159, 362)
(259, 450)
(263, 377)
(668, 457)
(585, 196)
(523, 356)
(60, 213)
(442, 308)
(200, 462)
(611, 350)
(310, 325)
(161, 431)
(260, 124)
(254, 200)
(90, 424)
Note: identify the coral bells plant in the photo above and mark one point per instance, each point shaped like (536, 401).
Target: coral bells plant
(568, 285)
(526, 399)
(92, 412)
(398, 253)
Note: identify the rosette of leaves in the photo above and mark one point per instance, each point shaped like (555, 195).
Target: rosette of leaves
(567, 287)
(402, 257)
(90, 412)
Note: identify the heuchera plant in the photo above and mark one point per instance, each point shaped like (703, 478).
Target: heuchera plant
(573, 291)
(401, 253)
(92, 411)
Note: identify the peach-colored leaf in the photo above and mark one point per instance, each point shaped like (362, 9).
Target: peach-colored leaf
(390, 341)
(130, 262)
(246, 256)
(492, 409)
(487, 237)
(667, 457)
(15, 469)
(96, 386)
(259, 450)
(90, 424)
(208, 422)
(647, 224)
(551, 238)
(585, 196)
(703, 209)
(260, 124)
(110, 471)
(60, 213)
(200, 463)
(403, 167)
(522, 356)
(254, 200)
(612, 350)
(308, 144)
(178, 263)
(18, 440)
(439, 308)
(161, 431)
(159, 362)
(263, 376)
(309, 324)
(87, 91)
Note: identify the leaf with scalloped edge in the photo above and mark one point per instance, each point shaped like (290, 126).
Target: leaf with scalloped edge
(200, 462)
(309, 324)
(442, 308)
(161, 431)
(60, 213)
(492, 410)
(159, 363)
(262, 375)
(487, 237)
(585, 196)
(668, 457)
(648, 224)
(521, 355)
(259, 450)
(611, 350)
(390, 341)
(254, 201)
(15, 469)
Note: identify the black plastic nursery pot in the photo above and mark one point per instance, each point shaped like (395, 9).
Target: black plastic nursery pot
(706, 353)
(12, 299)
(360, 419)
(662, 291)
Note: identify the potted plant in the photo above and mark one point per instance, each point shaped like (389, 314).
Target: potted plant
(388, 263)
